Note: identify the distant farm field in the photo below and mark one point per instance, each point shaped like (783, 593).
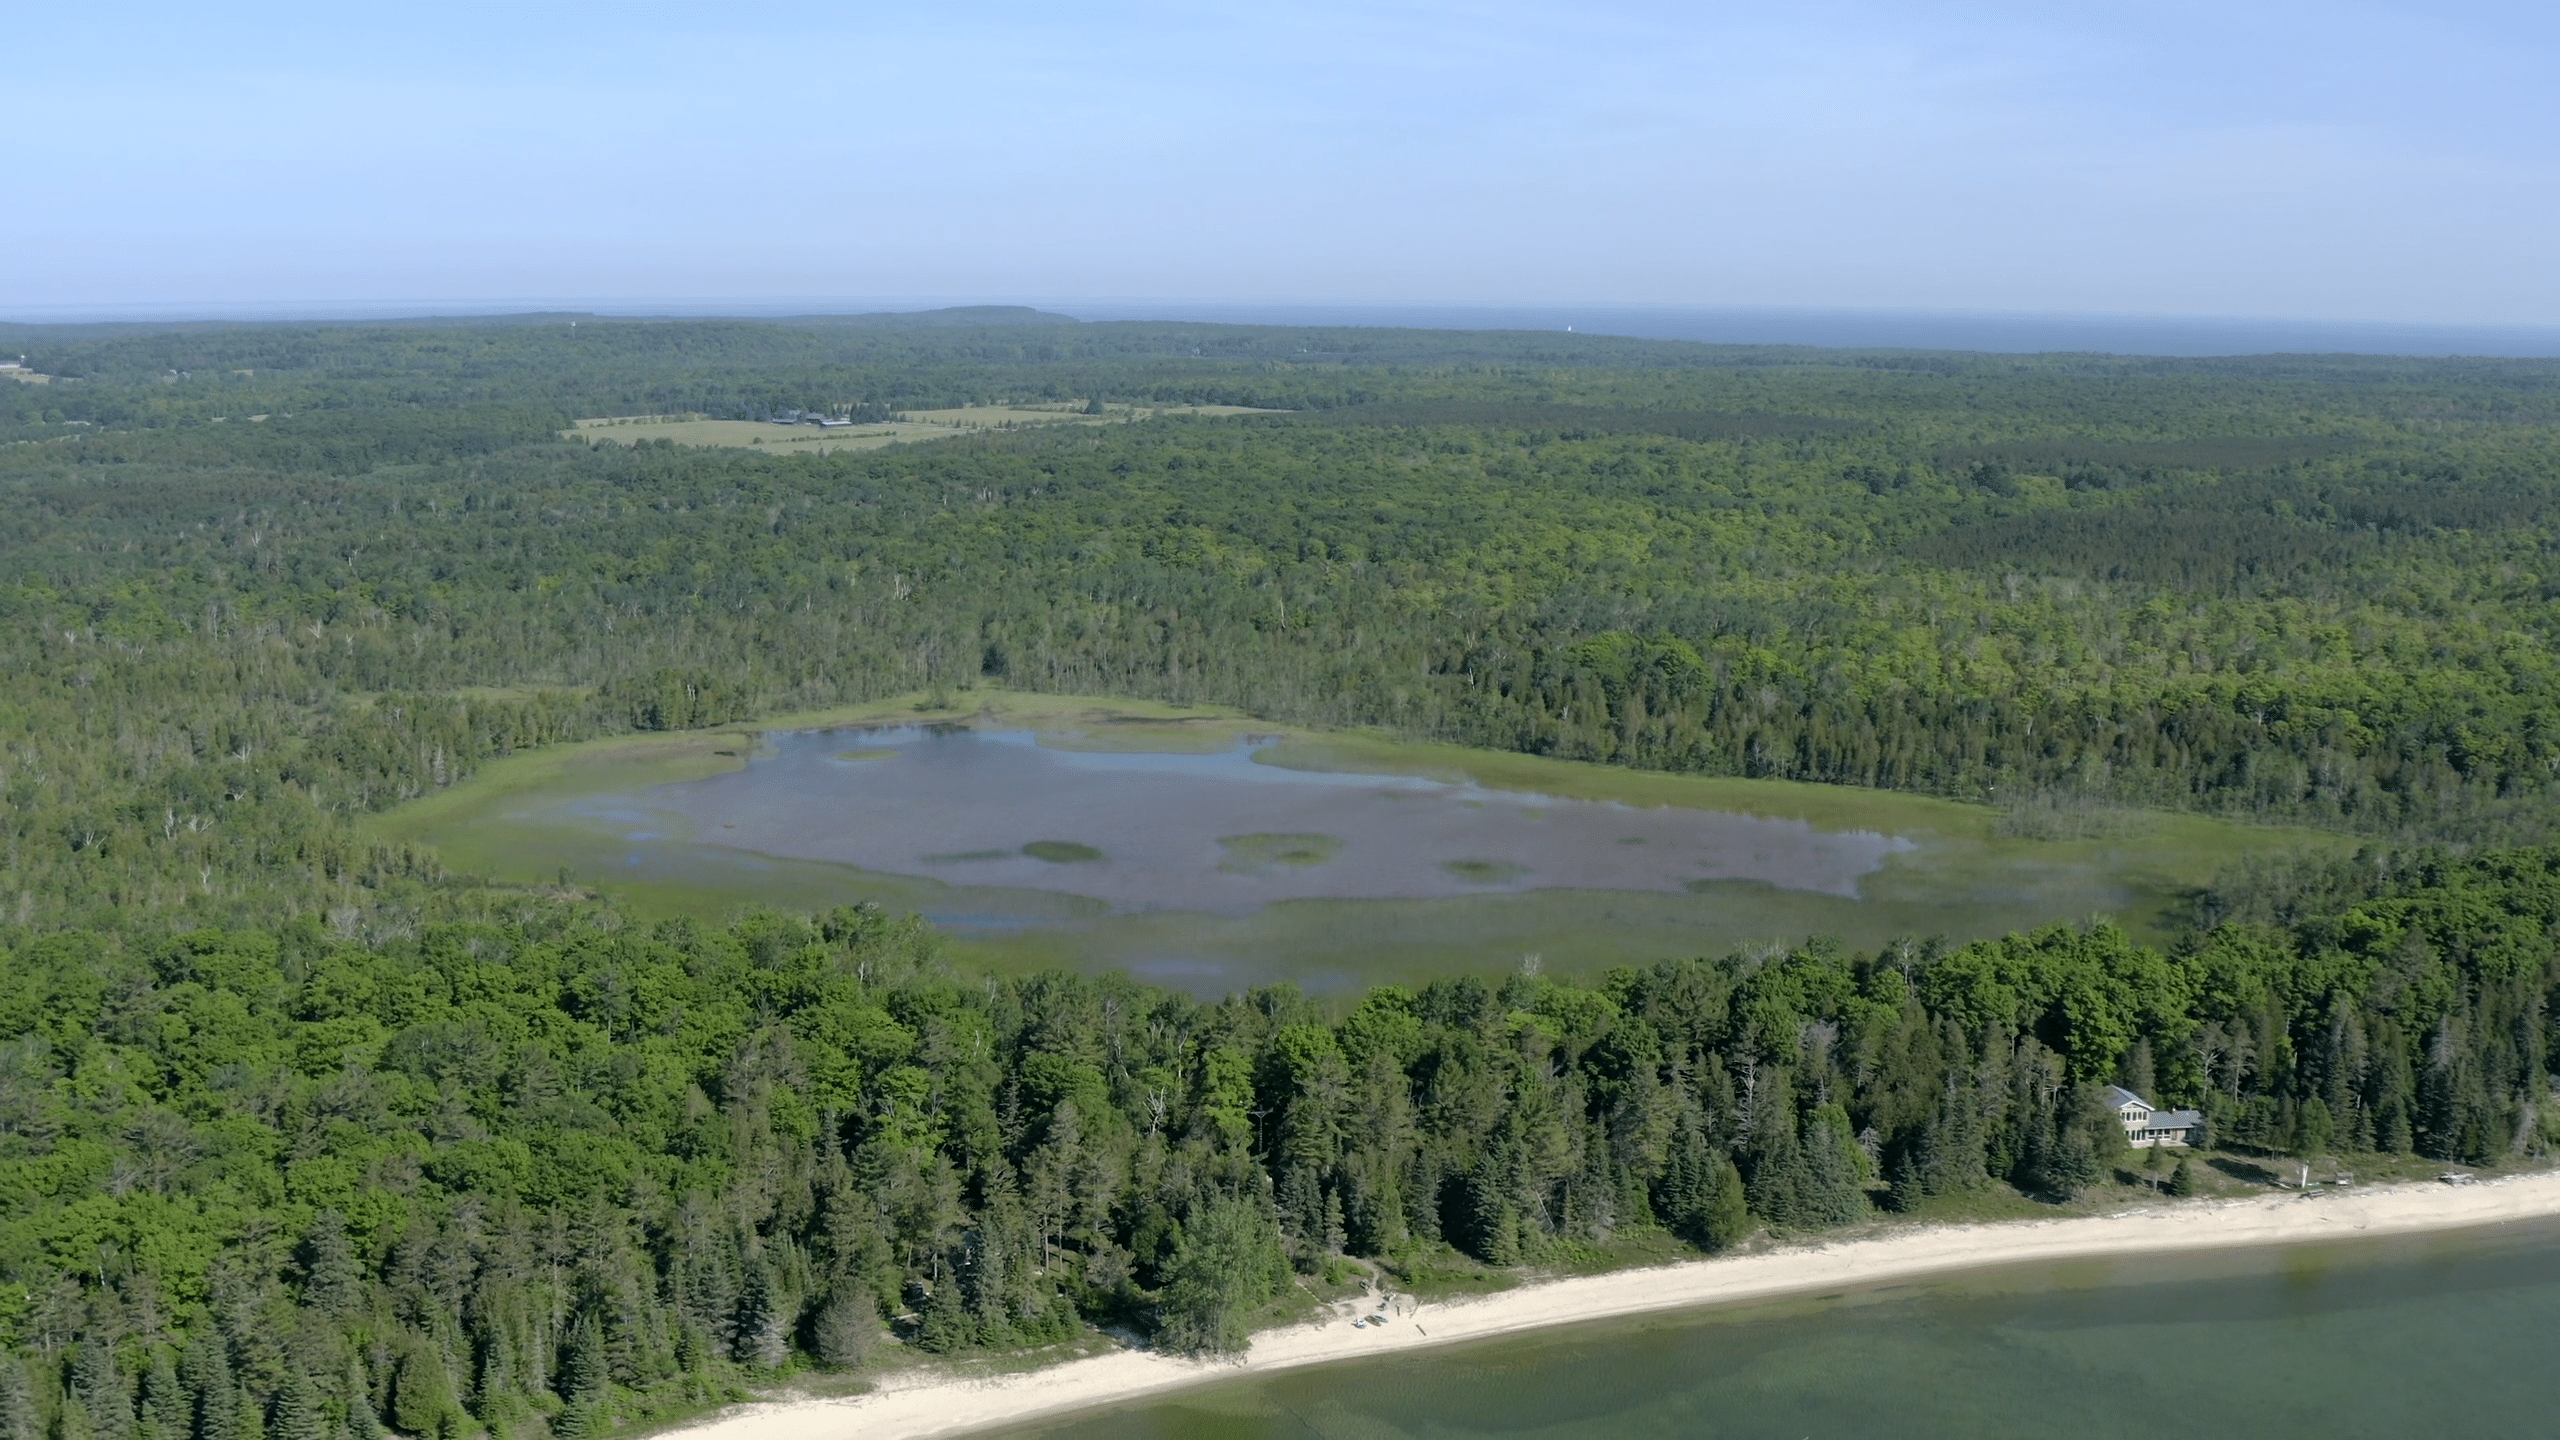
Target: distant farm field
(910, 425)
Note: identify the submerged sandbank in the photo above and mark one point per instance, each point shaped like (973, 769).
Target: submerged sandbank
(930, 1403)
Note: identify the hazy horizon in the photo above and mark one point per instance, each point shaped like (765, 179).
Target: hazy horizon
(1999, 332)
(2374, 164)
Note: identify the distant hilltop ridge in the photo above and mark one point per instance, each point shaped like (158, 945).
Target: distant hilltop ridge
(930, 319)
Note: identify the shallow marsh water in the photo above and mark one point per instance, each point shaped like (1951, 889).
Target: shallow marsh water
(1217, 832)
(2431, 1335)
(1178, 848)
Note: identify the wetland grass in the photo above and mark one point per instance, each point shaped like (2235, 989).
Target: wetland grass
(1257, 854)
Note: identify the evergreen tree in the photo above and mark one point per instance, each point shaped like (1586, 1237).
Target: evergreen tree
(333, 1282)
(2069, 1164)
(943, 1322)
(583, 1375)
(18, 1419)
(165, 1407)
(71, 1420)
(2182, 1181)
(99, 1385)
(421, 1388)
(1726, 1218)
(1685, 1195)
(1780, 1178)
(213, 1399)
(363, 1422)
(757, 1326)
(847, 1327)
(297, 1410)
(1832, 1193)
(1228, 1264)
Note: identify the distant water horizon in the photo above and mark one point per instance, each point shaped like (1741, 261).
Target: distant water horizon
(1993, 332)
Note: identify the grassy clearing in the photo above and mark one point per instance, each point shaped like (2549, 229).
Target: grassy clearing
(909, 426)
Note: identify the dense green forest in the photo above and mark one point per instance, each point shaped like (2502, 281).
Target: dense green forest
(303, 1137)
(2304, 588)
(273, 1182)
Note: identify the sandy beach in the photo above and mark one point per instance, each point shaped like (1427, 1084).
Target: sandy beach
(926, 1403)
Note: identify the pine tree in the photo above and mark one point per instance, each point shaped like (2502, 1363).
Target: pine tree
(943, 1324)
(757, 1327)
(847, 1328)
(100, 1387)
(18, 1420)
(362, 1420)
(1907, 1167)
(1727, 1216)
(2068, 1163)
(421, 1388)
(1779, 1178)
(213, 1399)
(1228, 1264)
(1701, 1197)
(1493, 1223)
(2182, 1181)
(582, 1368)
(1832, 1194)
(297, 1413)
(332, 1278)
(164, 1400)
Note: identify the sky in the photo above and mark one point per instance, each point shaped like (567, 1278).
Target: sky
(2338, 160)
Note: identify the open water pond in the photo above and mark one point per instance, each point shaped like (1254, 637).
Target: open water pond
(1219, 832)
(2446, 1334)
(1192, 851)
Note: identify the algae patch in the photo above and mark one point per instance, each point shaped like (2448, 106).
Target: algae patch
(1261, 854)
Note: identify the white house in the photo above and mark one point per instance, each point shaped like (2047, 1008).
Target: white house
(2145, 1127)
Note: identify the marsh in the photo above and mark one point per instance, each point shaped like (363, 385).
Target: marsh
(1218, 833)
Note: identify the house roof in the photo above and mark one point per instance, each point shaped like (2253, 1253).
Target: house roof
(2119, 1097)
(2174, 1120)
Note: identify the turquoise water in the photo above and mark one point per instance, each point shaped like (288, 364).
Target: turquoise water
(2440, 1335)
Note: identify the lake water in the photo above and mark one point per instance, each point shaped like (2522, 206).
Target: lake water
(1215, 833)
(1102, 846)
(2439, 1335)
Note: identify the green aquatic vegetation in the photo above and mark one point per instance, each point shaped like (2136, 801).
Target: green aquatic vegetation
(1062, 852)
(863, 756)
(1256, 854)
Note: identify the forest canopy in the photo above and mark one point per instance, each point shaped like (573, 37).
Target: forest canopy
(262, 580)
(303, 1137)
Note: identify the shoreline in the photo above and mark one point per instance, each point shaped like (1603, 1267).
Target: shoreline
(928, 1403)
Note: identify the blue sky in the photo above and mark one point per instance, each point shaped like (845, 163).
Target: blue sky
(2375, 161)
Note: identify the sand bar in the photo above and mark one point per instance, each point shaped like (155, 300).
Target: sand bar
(929, 1403)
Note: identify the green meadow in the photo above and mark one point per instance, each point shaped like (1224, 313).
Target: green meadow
(907, 426)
